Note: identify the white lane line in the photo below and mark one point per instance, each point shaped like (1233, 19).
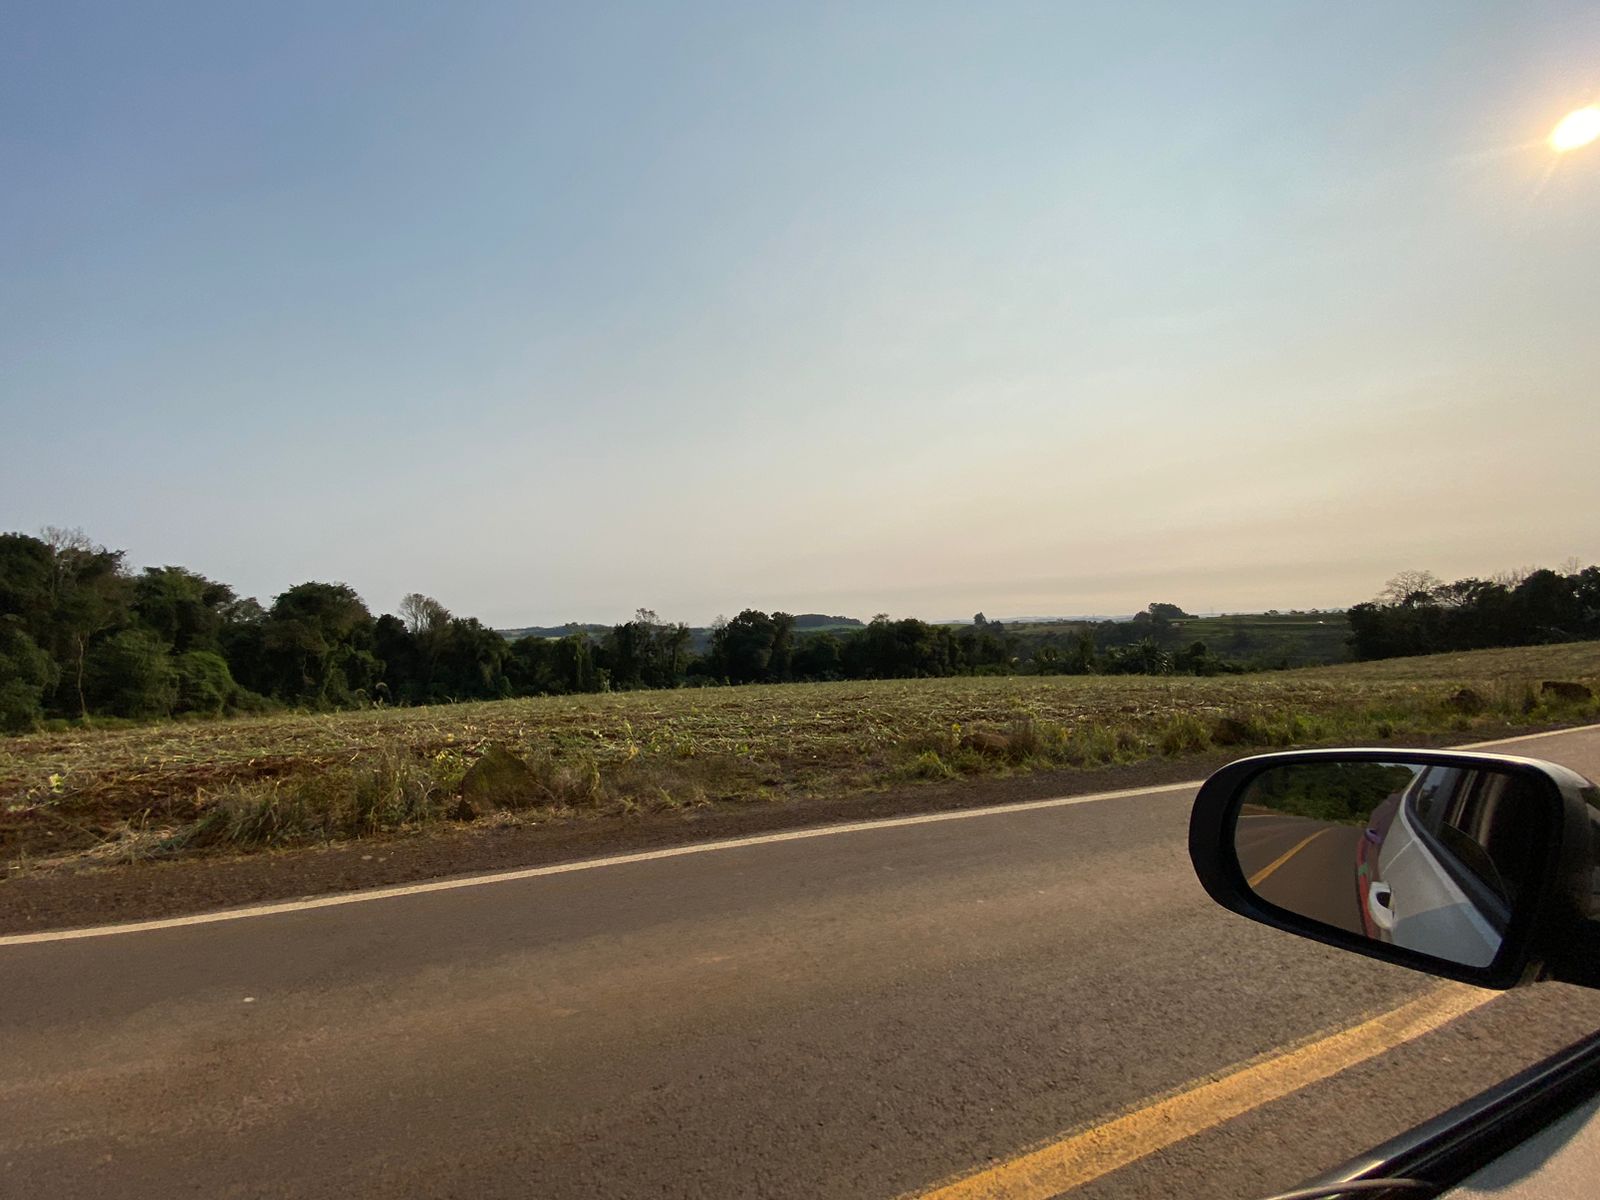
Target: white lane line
(1529, 737)
(590, 864)
(615, 860)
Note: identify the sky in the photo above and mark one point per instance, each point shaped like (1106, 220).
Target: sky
(557, 311)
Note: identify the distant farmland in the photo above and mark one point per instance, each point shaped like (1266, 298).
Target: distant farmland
(1257, 640)
(1272, 639)
(178, 788)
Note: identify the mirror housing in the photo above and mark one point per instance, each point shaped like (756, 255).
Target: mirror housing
(1553, 930)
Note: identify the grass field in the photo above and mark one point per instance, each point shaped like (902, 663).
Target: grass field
(1257, 640)
(1283, 639)
(287, 779)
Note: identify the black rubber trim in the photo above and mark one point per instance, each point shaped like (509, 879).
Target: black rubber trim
(1444, 1151)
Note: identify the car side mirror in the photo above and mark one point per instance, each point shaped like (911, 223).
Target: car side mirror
(1477, 867)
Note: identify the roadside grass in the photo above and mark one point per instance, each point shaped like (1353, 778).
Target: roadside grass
(257, 782)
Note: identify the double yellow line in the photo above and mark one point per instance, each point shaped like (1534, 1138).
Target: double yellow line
(1089, 1153)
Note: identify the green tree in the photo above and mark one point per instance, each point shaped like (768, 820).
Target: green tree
(817, 657)
(26, 674)
(742, 648)
(241, 639)
(646, 652)
(780, 661)
(396, 648)
(1167, 612)
(674, 652)
(429, 624)
(575, 665)
(205, 685)
(26, 583)
(1144, 657)
(470, 661)
(1411, 588)
(182, 608)
(1547, 607)
(88, 597)
(317, 645)
(423, 614)
(626, 650)
(130, 674)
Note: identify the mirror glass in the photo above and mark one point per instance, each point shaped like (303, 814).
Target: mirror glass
(1428, 857)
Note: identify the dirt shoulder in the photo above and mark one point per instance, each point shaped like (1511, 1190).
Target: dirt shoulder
(80, 895)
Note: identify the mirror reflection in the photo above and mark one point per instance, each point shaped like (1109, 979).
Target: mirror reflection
(1426, 857)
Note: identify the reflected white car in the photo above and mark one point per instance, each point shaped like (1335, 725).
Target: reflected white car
(1433, 885)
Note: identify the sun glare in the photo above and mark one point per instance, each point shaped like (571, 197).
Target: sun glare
(1576, 130)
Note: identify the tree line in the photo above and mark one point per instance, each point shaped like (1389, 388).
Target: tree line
(82, 636)
(1418, 613)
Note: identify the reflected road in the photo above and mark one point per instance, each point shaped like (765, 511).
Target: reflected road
(1305, 866)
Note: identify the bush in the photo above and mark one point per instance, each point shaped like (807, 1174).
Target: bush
(391, 791)
(928, 765)
(205, 685)
(20, 710)
(130, 675)
(26, 673)
(1184, 734)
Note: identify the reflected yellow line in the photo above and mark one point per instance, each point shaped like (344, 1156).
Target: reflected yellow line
(1272, 866)
(1077, 1159)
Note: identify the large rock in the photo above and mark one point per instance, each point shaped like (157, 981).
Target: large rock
(1234, 731)
(1559, 689)
(499, 780)
(985, 742)
(468, 810)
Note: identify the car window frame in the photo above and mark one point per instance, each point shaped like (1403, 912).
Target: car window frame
(1494, 907)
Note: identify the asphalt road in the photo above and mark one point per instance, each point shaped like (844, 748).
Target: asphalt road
(1305, 866)
(860, 1014)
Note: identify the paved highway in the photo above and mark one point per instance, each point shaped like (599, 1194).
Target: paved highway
(1031, 999)
(1305, 866)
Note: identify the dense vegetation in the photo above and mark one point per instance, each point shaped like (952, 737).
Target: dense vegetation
(1420, 614)
(82, 636)
(1346, 793)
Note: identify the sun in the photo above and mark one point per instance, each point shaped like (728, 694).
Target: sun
(1576, 130)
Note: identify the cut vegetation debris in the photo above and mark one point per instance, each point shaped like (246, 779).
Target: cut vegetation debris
(207, 787)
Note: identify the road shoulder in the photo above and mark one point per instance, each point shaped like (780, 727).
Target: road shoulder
(77, 895)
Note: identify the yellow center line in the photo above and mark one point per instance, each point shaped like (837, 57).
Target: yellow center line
(1084, 1156)
(1272, 866)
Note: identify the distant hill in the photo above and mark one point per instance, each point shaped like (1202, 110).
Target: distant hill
(1056, 620)
(803, 623)
(553, 631)
(813, 621)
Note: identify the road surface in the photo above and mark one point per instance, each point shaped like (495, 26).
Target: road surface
(869, 1013)
(1305, 866)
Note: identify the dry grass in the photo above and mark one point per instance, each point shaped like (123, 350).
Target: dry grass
(291, 778)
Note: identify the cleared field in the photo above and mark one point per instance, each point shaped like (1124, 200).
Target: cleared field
(295, 778)
(1294, 640)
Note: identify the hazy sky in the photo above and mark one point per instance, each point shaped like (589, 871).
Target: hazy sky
(556, 311)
